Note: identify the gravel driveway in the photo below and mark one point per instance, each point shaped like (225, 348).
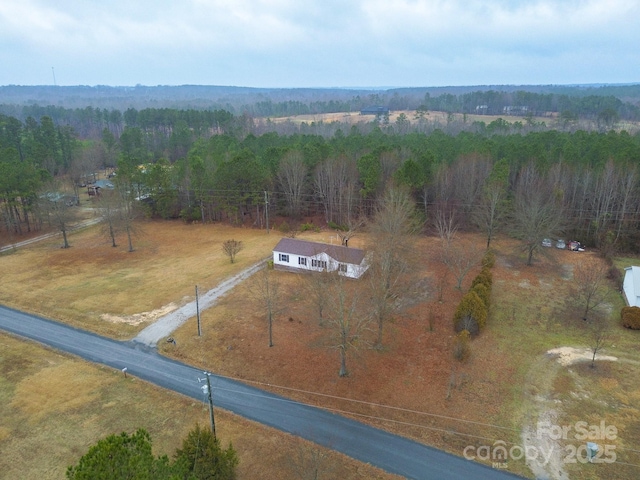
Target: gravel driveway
(164, 326)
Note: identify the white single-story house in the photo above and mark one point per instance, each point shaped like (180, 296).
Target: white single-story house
(301, 255)
(631, 286)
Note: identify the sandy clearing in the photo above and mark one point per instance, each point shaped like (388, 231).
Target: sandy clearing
(569, 355)
(138, 318)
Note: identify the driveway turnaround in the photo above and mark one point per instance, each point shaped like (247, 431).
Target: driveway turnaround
(389, 452)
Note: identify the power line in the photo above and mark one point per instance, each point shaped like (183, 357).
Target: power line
(385, 419)
(373, 404)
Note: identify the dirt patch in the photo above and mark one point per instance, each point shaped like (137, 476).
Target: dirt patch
(547, 460)
(566, 356)
(138, 318)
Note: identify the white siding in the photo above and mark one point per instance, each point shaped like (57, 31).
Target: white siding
(631, 286)
(353, 271)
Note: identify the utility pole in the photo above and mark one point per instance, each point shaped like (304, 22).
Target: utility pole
(209, 393)
(266, 209)
(198, 312)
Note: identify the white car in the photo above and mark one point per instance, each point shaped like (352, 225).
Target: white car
(546, 242)
(561, 244)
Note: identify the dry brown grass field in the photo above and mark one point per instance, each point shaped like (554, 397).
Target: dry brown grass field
(100, 288)
(508, 382)
(432, 117)
(439, 118)
(53, 407)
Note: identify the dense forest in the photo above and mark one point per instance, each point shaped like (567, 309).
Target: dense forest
(527, 179)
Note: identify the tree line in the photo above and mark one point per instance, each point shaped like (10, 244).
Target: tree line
(225, 175)
(588, 101)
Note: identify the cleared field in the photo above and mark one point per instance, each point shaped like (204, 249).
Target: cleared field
(100, 288)
(444, 118)
(440, 117)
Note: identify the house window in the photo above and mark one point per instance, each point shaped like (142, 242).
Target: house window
(342, 268)
(284, 257)
(319, 263)
(302, 261)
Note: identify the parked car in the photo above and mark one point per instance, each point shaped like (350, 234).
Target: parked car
(546, 242)
(561, 244)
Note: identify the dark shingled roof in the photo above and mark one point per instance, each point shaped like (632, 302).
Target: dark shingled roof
(309, 249)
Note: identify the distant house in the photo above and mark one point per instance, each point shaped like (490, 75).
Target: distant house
(515, 110)
(375, 110)
(94, 189)
(631, 286)
(301, 255)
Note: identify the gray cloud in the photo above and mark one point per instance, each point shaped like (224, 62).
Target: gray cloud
(319, 43)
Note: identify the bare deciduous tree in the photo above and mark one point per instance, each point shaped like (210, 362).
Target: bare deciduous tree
(445, 222)
(336, 187)
(265, 287)
(345, 318)
(590, 284)
(469, 174)
(352, 228)
(598, 334)
(58, 209)
(108, 210)
(460, 257)
(441, 283)
(83, 166)
(292, 174)
(392, 255)
(129, 212)
(231, 248)
(491, 210)
(629, 197)
(538, 211)
(317, 290)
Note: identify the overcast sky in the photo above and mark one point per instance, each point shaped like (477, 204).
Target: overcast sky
(319, 43)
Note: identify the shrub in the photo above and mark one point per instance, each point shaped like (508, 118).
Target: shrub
(309, 226)
(489, 259)
(284, 227)
(461, 348)
(484, 277)
(631, 317)
(190, 214)
(471, 311)
(335, 226)
(484, 293)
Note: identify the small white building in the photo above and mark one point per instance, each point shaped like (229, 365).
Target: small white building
(631, 286)
(301, 255)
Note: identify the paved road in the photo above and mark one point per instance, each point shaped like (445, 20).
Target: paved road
(164, 326)
(392, 453)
